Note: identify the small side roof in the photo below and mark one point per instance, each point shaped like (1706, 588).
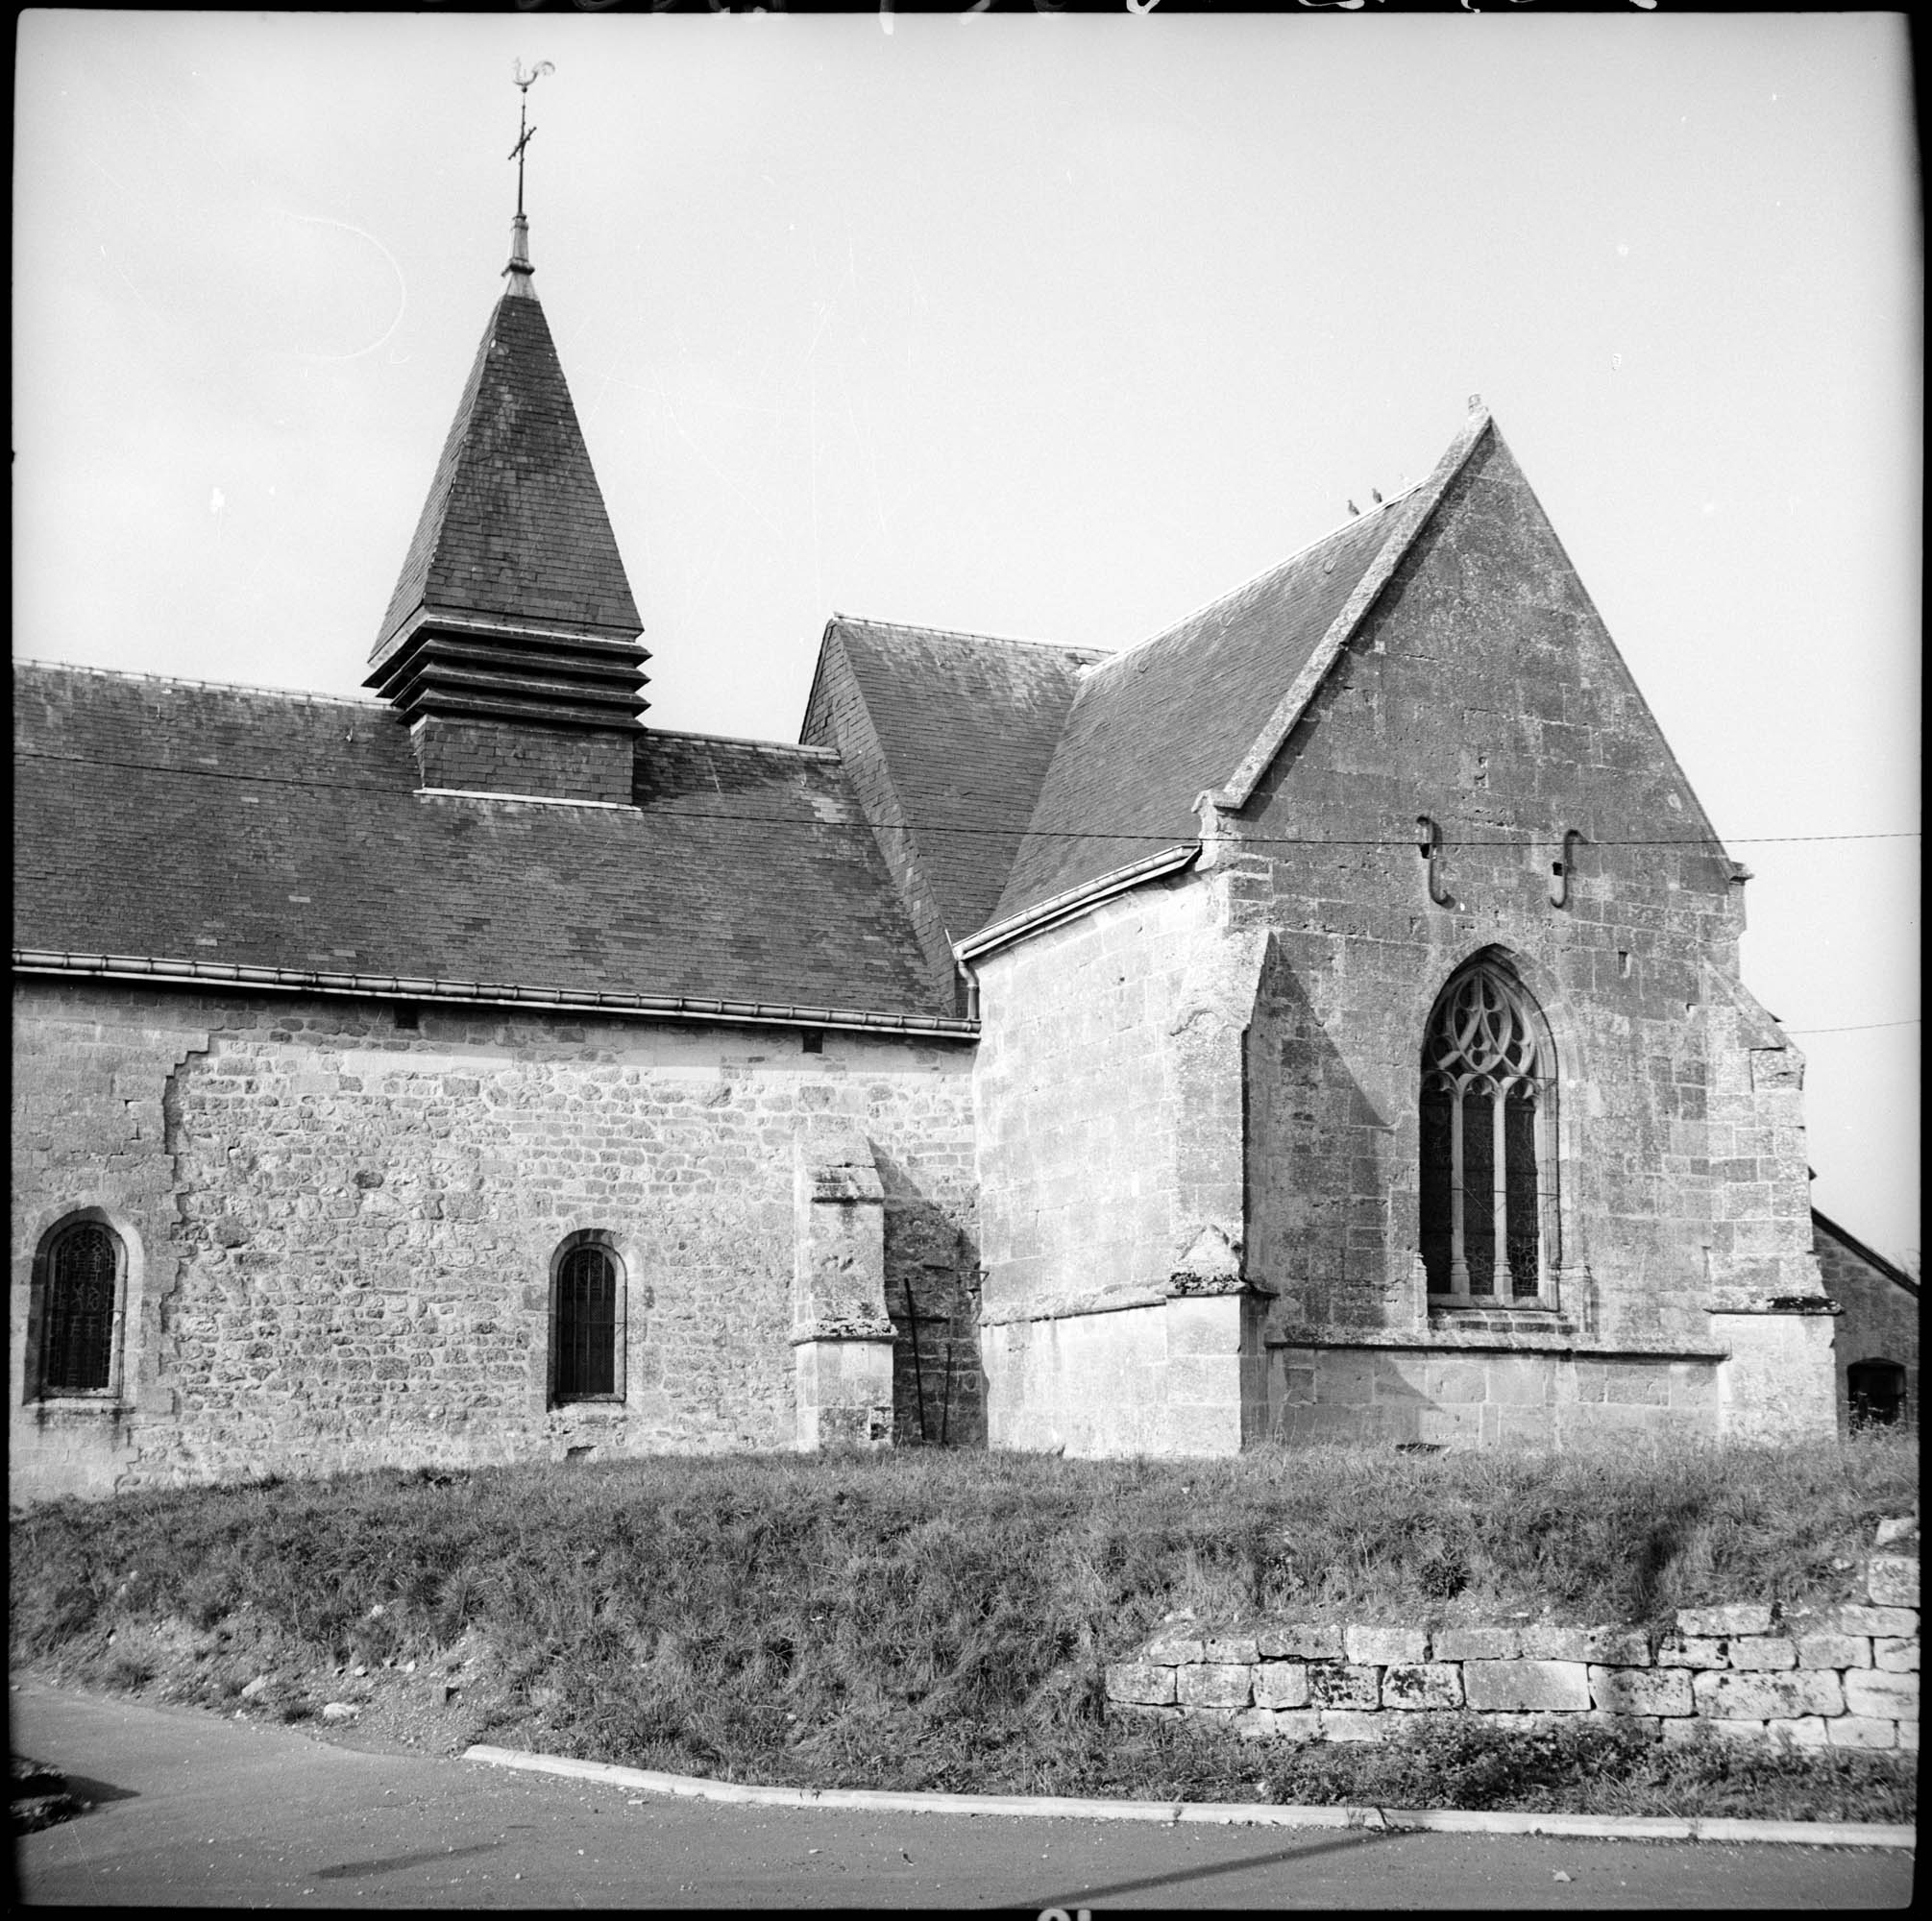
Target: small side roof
(1823, 1225)
(966, 727)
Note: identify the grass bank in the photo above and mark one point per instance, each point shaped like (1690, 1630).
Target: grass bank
(926, 1621)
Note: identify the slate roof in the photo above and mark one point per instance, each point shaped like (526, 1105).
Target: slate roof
(1154, 726)
(965, 726)
(514, 525)
(240, 825)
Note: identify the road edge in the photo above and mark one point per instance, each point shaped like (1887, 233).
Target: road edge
(1260, 1814)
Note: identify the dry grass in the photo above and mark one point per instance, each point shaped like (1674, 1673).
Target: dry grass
(940, 1621)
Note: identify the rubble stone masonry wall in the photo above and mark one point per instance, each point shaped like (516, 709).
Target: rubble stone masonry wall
(1846, 1677)
(341, 1229)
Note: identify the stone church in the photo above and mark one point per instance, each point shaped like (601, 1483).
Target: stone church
(1319, 1021)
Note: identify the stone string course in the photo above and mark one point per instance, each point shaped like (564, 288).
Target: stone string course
(1849, 1678)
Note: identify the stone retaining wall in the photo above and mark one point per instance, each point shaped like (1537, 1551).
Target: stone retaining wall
(1847, 1677)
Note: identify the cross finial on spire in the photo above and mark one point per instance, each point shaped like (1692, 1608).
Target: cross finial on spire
(520, 269)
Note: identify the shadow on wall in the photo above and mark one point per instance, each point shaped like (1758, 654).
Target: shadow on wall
(1321, 1174)
(932, 1295)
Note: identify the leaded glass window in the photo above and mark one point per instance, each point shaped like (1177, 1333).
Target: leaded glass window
(77, 1310)
(586, 1323)
(1485, 1123)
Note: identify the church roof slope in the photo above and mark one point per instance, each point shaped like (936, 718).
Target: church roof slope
(965, 726)
(244, 826)
(514, 525)
(1154, 726)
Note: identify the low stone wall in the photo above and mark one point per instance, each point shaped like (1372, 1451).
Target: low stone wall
(1846, 1678)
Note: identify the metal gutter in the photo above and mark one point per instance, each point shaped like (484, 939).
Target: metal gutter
(478, 993)
(1076, 900)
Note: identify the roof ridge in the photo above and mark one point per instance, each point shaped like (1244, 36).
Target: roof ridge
(965, 634)
(220, 685)
(1253, 580)
(1421, 503)
(740, 740)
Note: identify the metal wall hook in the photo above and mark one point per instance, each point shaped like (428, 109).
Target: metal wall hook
(1561, 870)
(1428, 844)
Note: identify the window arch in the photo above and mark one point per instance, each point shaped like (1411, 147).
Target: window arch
(81, 1288)
(587, 1318)
(1488, 1216)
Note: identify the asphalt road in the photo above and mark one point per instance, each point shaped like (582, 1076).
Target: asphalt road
(191, 1809)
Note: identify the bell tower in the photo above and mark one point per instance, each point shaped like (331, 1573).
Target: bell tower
(511, 643)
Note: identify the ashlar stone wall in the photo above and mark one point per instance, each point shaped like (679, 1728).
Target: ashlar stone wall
(343, 1227)
(1211, 1085)
(1108, 1120)
(1844, 1677)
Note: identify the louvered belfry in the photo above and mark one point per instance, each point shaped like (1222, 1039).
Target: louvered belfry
(511, 644)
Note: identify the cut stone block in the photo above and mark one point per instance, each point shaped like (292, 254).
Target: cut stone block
(1421, 1684)
(1861, 1731)
(1761, 1651)
(1345, 1724)
(1234, 1648)
(1145, 1682)
(1808, 1731)
(1641, 1690)
(1300, 1642)
(1693, 1651)
(1378, 1646)
(1900, 1527)
(1300, 1724)
(1833, 1650)
(1616, 1646)
(1173, 1651)
(1784, 1698)
(1282, 1684)
(1739, 1618)
(1894, 1695)
(1476, 1643)
(1256, 1724)
(1332, 1685)
(1891, 1581)
(1545, 1687)
(1856, 1619)
(1215, 1685)
(1542, 1641)
(1895, 1656)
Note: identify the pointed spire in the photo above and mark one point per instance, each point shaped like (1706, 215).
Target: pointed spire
(513, 616)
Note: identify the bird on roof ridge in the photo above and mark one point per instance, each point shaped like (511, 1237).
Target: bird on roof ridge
(1353, 509)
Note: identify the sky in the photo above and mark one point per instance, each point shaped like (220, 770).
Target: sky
(1054, 329)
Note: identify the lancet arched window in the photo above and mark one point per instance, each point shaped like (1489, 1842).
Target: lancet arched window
(82, 1271)
(1488, 1160)
(587, 1317)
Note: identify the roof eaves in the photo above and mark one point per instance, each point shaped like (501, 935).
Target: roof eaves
(1417, 505)
(158, 968)
(1051, 912)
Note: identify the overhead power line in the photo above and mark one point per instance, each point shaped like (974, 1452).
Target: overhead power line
(1167, 838)
(1859, 1027)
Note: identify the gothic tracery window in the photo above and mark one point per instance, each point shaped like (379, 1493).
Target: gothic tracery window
(1488, 1169)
